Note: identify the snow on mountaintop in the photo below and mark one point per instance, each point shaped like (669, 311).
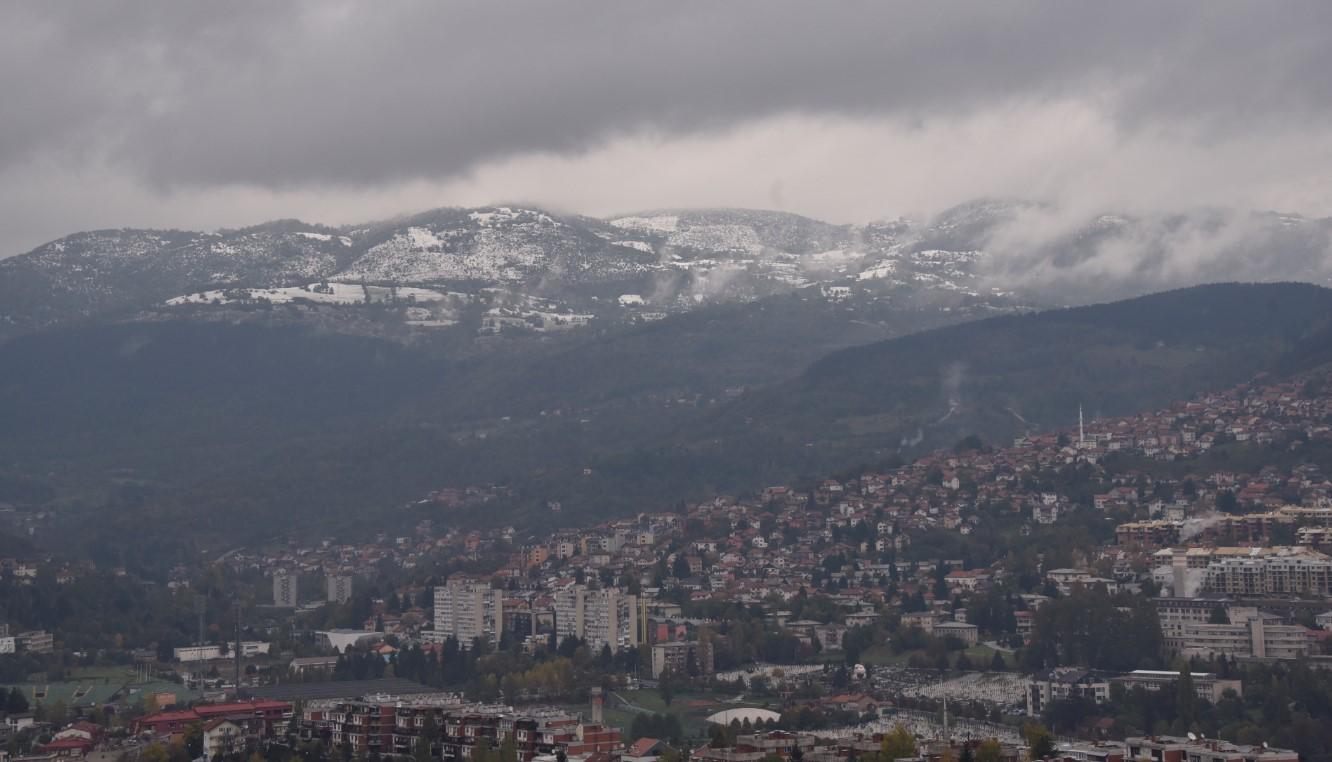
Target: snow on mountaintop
(497, 245)
(675, 258)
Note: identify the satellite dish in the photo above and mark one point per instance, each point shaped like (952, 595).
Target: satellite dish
(1264, 744)
(1192, 737)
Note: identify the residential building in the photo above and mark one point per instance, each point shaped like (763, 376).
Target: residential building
(224, 737)
(468, 609)
(607, 617)
(1205, 684)
(1174, 614)
(1063, 683)
(1176, 749)
(339, 588)
(391, 725)
(35, 641)
(682, 658)
(285, 590)
(1259, 637)
(1296, 571)
(969, 634)
(268, 713)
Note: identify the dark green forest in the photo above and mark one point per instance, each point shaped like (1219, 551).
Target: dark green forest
(221, 433)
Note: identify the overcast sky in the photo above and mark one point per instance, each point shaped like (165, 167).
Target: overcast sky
(200, 115)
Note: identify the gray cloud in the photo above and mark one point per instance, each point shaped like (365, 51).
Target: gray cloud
(301, 102)
(277, 94)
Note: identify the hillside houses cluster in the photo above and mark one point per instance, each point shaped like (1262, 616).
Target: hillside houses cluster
(847, 537)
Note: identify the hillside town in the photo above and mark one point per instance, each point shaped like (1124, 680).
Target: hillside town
(934, 602)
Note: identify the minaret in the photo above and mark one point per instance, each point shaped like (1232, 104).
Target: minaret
(948, 737)
(1082, 434)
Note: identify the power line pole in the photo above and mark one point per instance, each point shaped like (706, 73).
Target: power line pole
(238, 649)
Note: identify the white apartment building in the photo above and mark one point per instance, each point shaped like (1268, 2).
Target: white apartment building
(1175, 613)
(1293, 572)
(1206, 685)
(284, 590)
(597, 617)
(206, 652)
(1259, 637)
(468, 609)
(339, 588)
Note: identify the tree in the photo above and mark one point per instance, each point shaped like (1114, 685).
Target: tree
(194, 740)
(898, 744)
(680, 569)
(16, 702)
(508, 749)
(665, 686)
(425, 741)
(989, 751)
(1039, 740)
(997, 663)
(1185, 699)
(57, 714)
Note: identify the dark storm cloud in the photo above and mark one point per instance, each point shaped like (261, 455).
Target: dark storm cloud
(284, 95)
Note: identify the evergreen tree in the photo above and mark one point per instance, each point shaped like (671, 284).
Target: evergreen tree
(508, 749)
(16, 703)
(665, 686)
(1185, 699)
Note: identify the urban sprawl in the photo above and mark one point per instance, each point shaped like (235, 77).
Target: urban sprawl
(1148, 587)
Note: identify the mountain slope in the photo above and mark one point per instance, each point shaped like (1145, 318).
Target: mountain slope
(509, 269)
(1005, 375)
(100, 272)
(522, 269)
(226, 432)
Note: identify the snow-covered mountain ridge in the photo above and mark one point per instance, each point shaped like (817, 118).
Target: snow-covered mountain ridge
(634, 267)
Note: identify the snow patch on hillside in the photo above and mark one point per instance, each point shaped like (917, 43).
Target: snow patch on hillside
(665, 223)
(718, 238)
(643, 246)
(331, 293)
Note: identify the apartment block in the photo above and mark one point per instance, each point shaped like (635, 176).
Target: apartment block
(1176, 749)
(339, 588)
(285, 590)
(600, 618)
(1258, 637)
(468, 609)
